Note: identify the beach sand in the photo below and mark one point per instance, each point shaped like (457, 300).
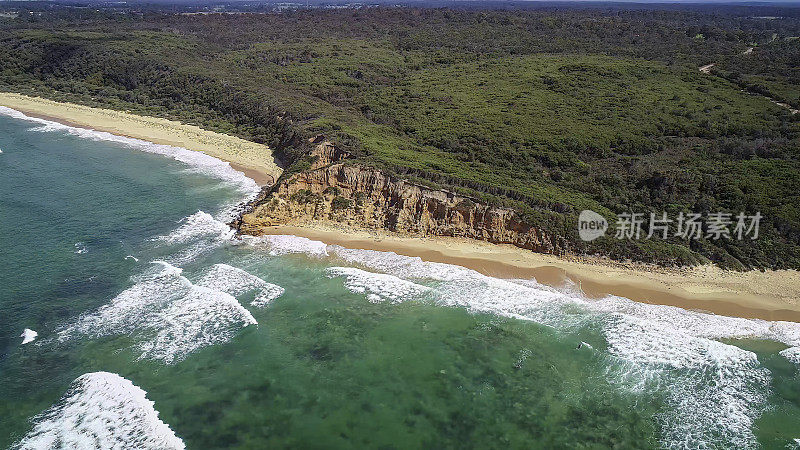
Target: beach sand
(769, 295)
(254, 160)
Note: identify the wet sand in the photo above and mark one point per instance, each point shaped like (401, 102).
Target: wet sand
(770, 295)
(254, 160)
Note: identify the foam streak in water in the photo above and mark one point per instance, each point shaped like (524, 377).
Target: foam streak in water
(714, 391)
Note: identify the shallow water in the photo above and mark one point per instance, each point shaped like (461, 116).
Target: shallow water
(158, 327)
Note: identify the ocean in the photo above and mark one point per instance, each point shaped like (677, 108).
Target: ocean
(157, 327)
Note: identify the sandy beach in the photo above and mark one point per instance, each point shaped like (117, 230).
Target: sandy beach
(769, 295)
(254, 160)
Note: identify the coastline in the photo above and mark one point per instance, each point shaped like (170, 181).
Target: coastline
(252, 159)
(769, 295)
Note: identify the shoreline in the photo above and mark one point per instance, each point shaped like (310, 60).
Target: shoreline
(254, 160)
(769, 295)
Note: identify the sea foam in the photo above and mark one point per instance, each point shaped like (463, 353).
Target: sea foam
(792, 354)
(378, 287)
(197, 161)
(287, 244)
(713, 391)
(235, 281)
(169, 316)
(197, 225)
(28, 336)
(101, 410)
(199, 234)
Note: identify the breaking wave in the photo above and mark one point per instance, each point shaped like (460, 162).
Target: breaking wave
(197, 161)
(378, 287)
(792, 354)
(101, 410)
(286, 244)
(169, 316)
(236, 282)
(713, 391)
(199, 234)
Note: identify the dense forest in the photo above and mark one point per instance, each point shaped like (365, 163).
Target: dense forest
(547, 110)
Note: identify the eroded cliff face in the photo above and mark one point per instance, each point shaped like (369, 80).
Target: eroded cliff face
(361, 197)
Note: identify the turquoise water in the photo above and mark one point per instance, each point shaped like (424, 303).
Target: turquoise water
(158, 328)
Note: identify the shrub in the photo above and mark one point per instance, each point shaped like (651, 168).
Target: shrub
(340, 203)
